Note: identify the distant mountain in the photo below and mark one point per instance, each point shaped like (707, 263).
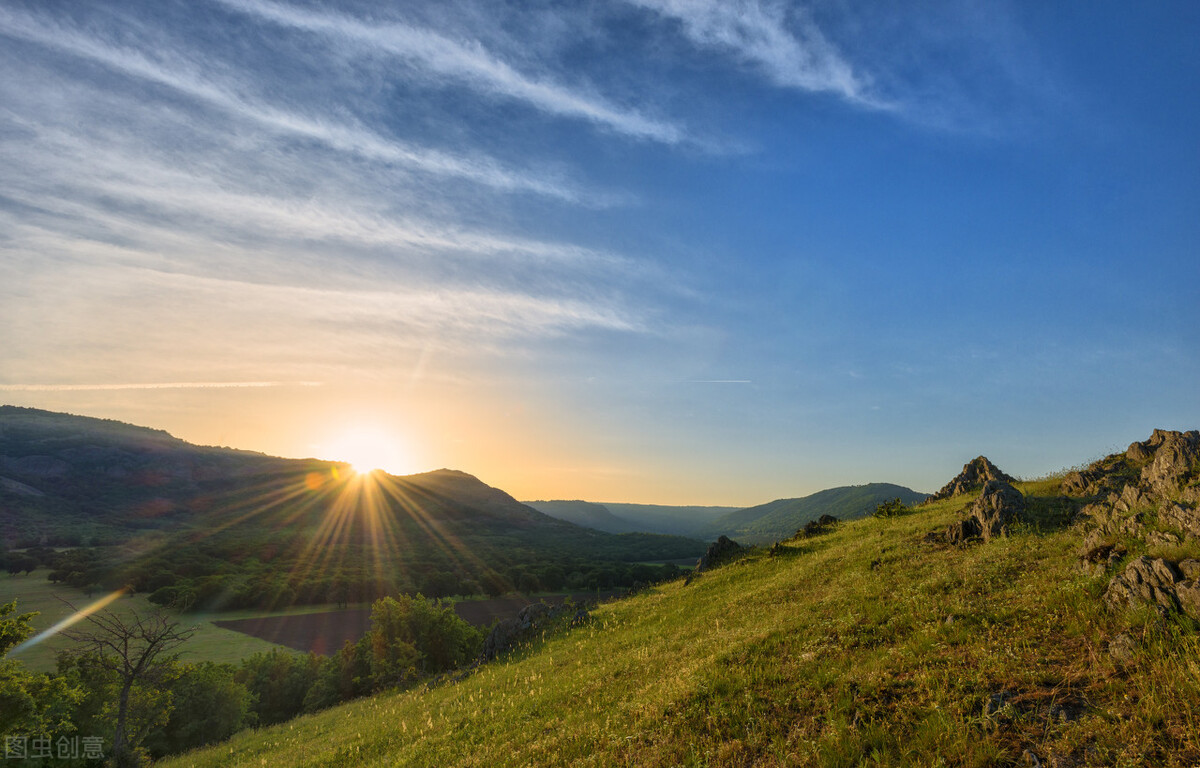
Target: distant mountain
(780, 519)
(160, 512)
(589, 514)
(621, 517)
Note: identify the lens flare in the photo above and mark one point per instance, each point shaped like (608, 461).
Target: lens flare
(78, 616)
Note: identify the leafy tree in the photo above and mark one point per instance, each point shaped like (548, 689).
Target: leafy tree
(279, 682)
(133, 655)
(344, 676)
(412, 635)
(30, 704)
(209, 705)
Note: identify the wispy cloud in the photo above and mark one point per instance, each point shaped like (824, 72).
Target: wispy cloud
(467, 62)
(154, 385)
(170, 70)
(788, 48)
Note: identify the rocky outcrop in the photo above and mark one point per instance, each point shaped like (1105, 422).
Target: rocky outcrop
(508, 633)
(1176, 462)
(721, 551)
(1149, 495)
(975, 474)
(997, 507)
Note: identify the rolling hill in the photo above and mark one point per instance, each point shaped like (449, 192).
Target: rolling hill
(780, 519)
(209, 526)
(621, 517)
(589, 514)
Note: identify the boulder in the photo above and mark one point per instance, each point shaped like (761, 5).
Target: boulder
(719, 552)
(997, 507)
(1145, 580)
(975, 474)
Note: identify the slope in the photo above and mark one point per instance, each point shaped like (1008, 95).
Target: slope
(780, 519)
(865, 645)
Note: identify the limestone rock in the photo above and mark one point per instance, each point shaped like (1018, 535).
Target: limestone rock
(975, 474)
(1145, 580)
(1176, 458)
(997, 507)
(1184, 518)
(1189, 568)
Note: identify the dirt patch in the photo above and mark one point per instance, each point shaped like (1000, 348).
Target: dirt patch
(326, 633)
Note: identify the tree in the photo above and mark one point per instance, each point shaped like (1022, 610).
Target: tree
(135, 653)
(30, 704)
(208, 706)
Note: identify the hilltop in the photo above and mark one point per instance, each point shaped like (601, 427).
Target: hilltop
(780, 519)
(878, 642)
(214, 527)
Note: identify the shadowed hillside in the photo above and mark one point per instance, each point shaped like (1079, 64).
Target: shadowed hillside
(214, 527)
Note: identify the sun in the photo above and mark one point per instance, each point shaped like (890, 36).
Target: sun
(367, 449)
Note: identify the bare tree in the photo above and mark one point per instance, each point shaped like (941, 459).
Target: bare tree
(137, 650)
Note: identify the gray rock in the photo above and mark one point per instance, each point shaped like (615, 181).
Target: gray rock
(1162, 539)
(1188, 593)
(1175, 461)
(1144, 580)
(1184, 518)
(997, 507)
(975, 474)
(1190, 568)
(1122, 647)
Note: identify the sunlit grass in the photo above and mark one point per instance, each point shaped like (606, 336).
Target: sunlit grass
(865, 646)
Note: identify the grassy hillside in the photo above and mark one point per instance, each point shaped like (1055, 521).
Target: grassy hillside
(868, 645)
(780, 519)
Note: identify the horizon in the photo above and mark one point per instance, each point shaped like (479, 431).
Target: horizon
(683, 254)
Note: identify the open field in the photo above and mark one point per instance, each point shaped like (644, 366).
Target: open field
(868, 645)
(34, 593)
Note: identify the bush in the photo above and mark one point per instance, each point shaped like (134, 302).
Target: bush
(893, 508)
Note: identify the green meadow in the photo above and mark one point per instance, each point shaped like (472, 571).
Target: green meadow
(865, 646)
(53, 602)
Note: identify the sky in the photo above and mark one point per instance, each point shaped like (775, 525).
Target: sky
(659, 251)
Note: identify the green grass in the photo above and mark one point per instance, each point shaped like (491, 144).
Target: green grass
(866, 646)
(34, 593)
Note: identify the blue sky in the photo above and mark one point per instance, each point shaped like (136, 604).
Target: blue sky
(659, 250)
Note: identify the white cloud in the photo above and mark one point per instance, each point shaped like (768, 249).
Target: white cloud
(790, 50)
(468, 62)
(185, 77)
